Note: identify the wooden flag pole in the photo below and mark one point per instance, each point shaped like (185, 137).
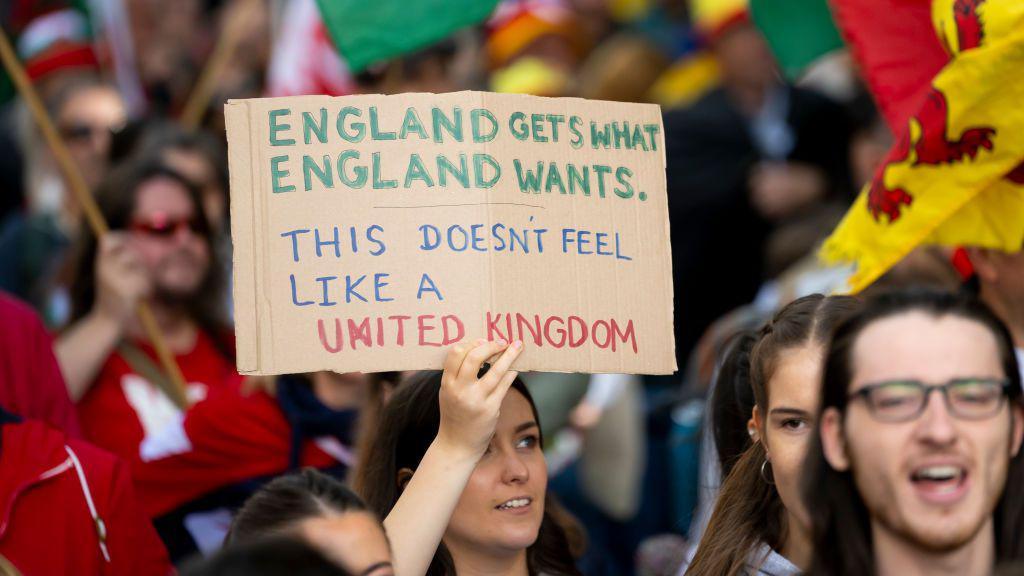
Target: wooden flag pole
(223, 51)
(93, 216)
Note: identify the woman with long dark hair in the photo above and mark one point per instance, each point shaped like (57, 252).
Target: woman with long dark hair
(456, 470)
(759, 524)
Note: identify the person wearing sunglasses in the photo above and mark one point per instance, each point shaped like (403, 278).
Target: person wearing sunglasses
(158, 251)
(917, 468)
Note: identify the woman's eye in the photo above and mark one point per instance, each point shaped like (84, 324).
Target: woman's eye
(527, 442)
(793, 424)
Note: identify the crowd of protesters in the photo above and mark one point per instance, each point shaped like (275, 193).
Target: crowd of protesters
(800, 434)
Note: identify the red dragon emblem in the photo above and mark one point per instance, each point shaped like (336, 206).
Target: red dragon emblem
(933, 147)
(969, 29)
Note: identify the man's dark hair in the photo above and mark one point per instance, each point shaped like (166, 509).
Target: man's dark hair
(289, 499)
(273, 556)
(841, 523)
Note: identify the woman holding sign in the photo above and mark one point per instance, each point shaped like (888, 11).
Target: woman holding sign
(457, 471)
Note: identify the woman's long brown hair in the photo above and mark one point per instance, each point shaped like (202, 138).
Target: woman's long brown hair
(406, 428)
(749, 512)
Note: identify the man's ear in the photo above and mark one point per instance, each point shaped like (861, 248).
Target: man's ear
(1017, 418)
(833, 444)
(404, 475)
(981, 261)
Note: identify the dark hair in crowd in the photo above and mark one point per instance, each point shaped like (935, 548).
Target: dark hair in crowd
(749, 512)
(840, 520)
(289, 499)
(273, 556)
(732, 401)
(408, 425)
(116, 197)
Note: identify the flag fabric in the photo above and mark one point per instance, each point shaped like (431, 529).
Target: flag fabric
(712, 18)
(46, 34)
(304, 59)
(369, 32)
(895, 45)
(955, 175)
(799, 32)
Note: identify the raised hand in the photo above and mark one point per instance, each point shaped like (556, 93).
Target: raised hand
(470, 405)
(122, 280)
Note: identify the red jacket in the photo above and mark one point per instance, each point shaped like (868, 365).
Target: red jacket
(67, 507)
(31, 384)
(221, 441)
(122, 407)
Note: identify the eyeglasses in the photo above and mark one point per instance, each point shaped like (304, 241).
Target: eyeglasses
(905, 400)
(162, 226)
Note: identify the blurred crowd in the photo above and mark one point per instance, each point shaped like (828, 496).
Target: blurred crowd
(759, 172)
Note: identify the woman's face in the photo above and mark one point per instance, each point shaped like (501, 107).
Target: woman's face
(787, 425)
(169, 235)
(501, 508)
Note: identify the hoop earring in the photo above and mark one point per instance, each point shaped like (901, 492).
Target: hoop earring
(764, 477)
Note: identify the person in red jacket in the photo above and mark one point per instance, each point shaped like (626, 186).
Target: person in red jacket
(194, 473)
(159, 251)
(30, 380)
(67, 507)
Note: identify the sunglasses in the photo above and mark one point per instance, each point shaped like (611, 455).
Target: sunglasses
(905, 400)
(162, 226)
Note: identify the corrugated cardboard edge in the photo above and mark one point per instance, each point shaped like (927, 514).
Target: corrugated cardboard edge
(241, 166)
(670, 283)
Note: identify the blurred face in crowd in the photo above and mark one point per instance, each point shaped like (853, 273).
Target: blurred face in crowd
(787, 425)
(930, 480)
(1001, 275)
(501, 508)
(340, 391)
(87, 121)
(169, 234)
(354, 540)
(197, 168)
(744, 57)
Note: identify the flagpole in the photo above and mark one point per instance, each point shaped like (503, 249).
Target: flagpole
(223, 51)
(93, 216)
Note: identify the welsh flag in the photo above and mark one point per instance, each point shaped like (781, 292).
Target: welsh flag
(368, 32)
(956, 173)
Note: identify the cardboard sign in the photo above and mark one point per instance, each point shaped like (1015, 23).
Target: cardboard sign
(373, 232)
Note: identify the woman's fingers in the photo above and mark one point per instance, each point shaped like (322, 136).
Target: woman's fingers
(477, 356)
(500, 367)
(453, 360)
(504, 384)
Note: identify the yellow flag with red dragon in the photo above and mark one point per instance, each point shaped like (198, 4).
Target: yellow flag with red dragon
(956, 174)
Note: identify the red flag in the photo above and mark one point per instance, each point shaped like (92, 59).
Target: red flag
(895, 45)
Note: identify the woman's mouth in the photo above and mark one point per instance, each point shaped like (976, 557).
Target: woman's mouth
(940, 484)
(518, 504)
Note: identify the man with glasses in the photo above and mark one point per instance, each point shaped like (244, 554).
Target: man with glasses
(918, 467)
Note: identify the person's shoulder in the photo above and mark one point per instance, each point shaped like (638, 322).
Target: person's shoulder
(767, 562)
(712, 104)
(16, 312)
(814, 103)
(93, 458)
